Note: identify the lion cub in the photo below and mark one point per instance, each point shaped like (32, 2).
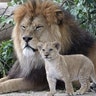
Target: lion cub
(67, 68)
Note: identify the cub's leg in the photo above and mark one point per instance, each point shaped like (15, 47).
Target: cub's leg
(85, 85)
(68, 86)
(4, 79)
(84, 75)
(52, 86)
(14, 85)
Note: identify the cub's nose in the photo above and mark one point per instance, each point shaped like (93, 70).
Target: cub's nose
(46, 55)
(27, 38)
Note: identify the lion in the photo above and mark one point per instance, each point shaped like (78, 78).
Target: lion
(41, 21)
(60, 67)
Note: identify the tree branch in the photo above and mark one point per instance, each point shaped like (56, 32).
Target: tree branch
(63, 2)
(4, 11)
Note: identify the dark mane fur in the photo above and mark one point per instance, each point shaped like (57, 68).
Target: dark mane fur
(81, 41)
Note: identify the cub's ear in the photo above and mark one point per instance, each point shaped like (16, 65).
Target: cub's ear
(57, 45)
(39, 45)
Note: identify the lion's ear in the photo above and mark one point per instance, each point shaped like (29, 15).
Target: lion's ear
(60, 17)
(39, 45)
(57, 45)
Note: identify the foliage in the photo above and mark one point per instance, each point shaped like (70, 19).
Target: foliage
(84, 11)
(6, 56)
(15, 2)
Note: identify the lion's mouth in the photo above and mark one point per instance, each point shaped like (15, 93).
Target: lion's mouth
(28, 46)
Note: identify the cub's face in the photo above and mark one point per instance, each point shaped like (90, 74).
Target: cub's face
(32, 31)
(49, 50)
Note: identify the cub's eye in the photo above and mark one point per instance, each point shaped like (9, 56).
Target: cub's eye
(43, 49)
(23, 27)
(50, 49)
(38, 27)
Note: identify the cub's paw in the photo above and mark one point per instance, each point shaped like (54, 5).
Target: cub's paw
(79, 92)
(70, 92)
(50, 93)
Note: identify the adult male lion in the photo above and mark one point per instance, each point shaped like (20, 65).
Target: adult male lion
(36, 21)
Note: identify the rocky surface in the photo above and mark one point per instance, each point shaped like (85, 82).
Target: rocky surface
(42, 93)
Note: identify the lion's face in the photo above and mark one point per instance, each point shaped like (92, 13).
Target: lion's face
(38, 23)
(32, 32)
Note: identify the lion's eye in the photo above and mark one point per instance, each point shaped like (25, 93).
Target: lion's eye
(23, 27)
(38, 27)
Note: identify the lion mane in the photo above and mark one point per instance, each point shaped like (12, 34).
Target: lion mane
(28, 73)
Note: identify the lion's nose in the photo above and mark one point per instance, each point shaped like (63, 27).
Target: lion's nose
(27, 39)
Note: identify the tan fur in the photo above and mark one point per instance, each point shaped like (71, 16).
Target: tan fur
(3, 79)
(55, 25)
(14, 85)
(67, 68)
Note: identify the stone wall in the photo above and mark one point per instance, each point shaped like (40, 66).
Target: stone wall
(5, 34)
